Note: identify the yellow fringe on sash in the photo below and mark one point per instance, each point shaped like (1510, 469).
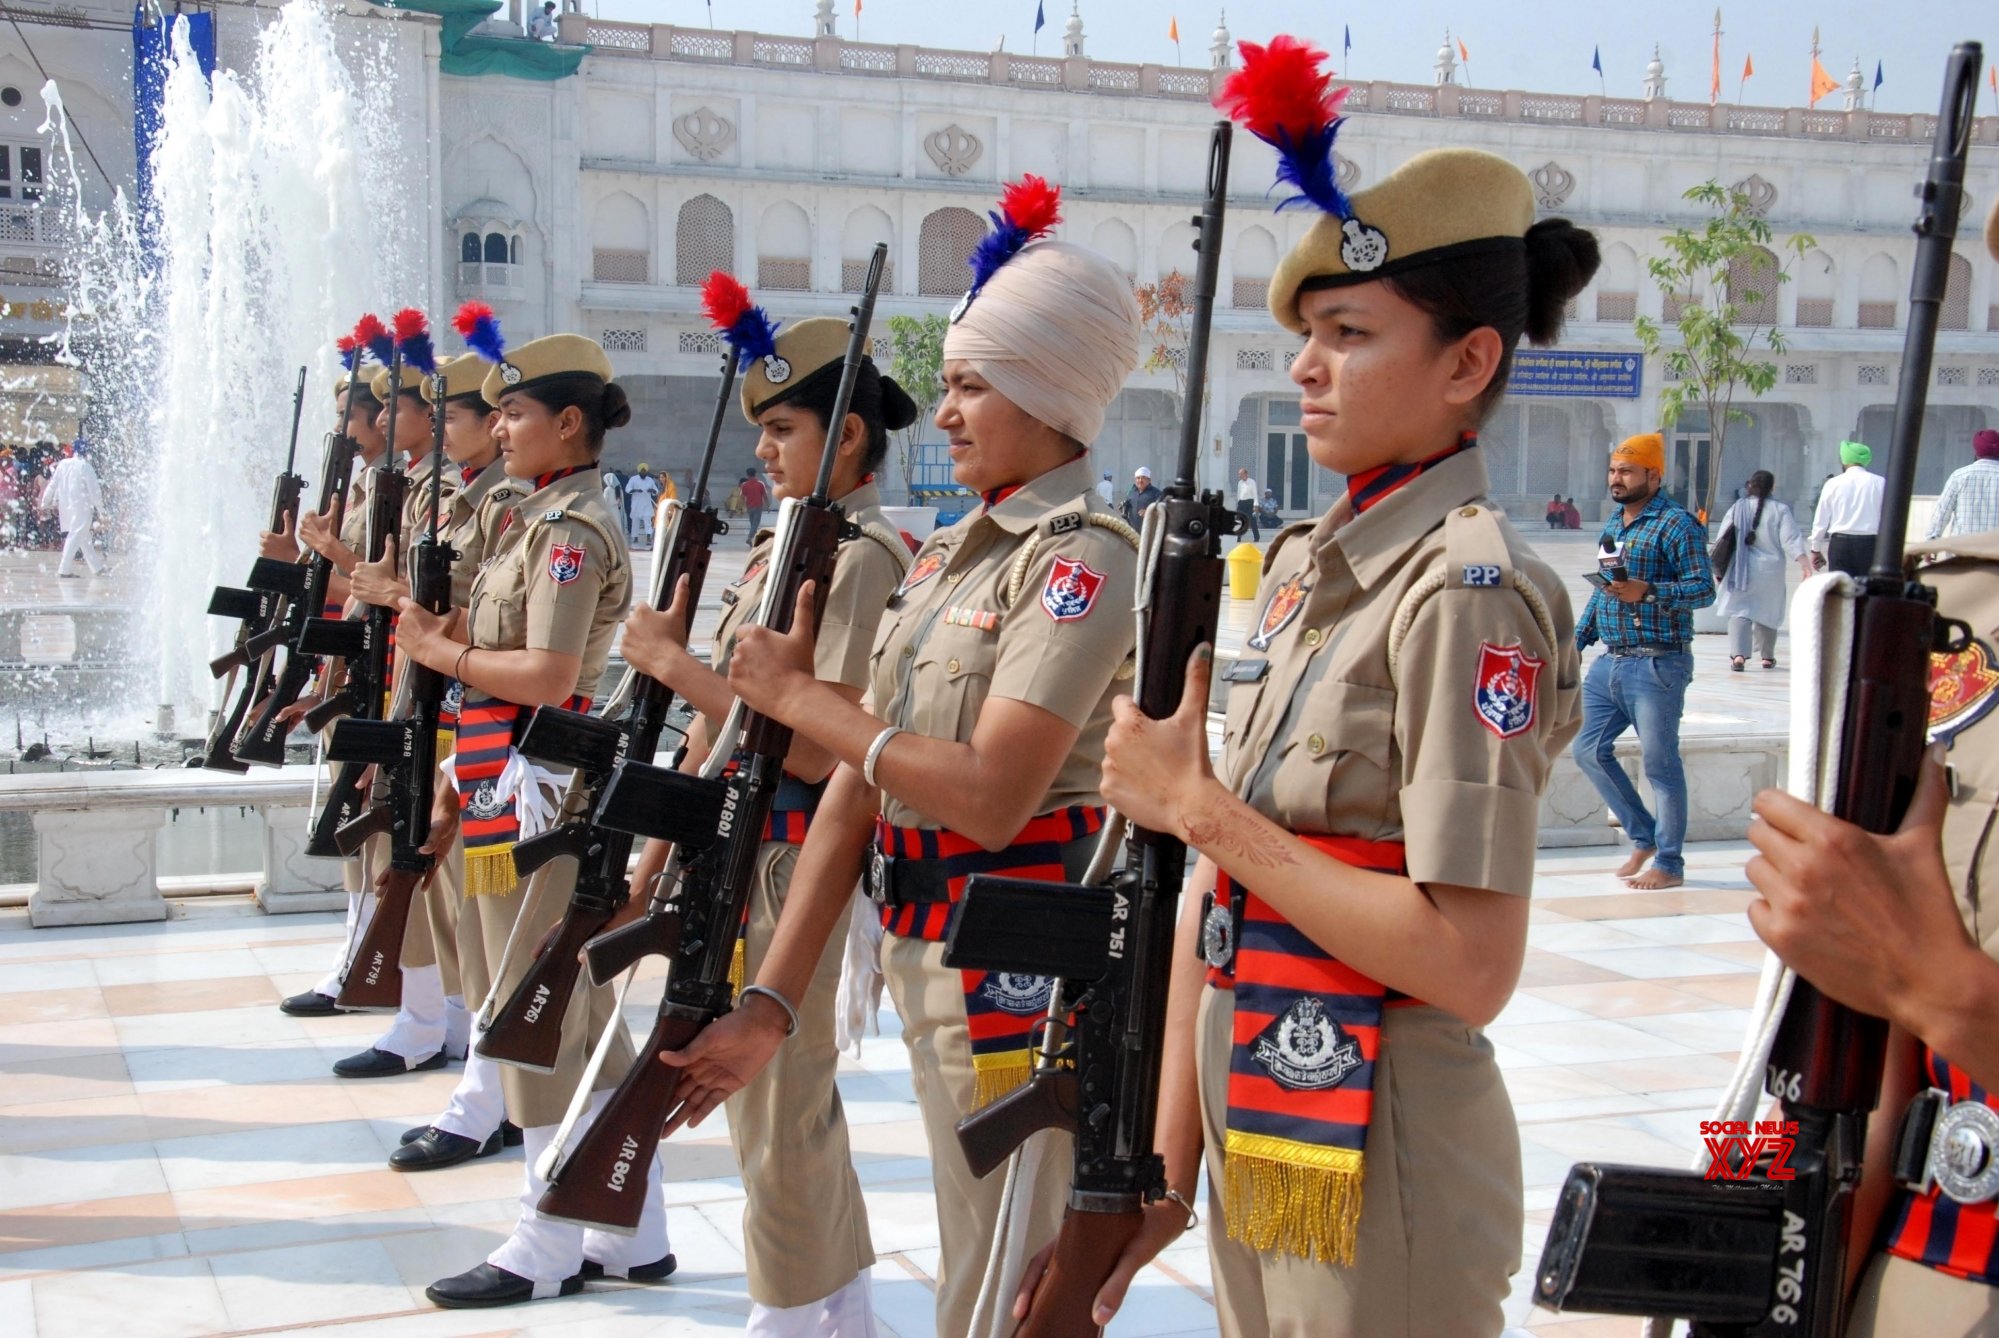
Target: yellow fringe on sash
(1282, 1195)
(447, 739)
(993, 1076)
(738, 968)
(489, 871)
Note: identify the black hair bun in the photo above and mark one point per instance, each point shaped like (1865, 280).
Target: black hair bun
(898, 409)
(1561, 260)
(617, 409)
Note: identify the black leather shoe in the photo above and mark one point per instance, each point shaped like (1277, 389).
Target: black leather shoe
(659, 1270)
(435, 1149)
(310, 1004)
(489, 1285)
(411, 1135)
(510, 1134)
(373, 1063)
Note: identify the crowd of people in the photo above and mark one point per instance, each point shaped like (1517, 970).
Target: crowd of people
(52, 498)
(1364, 843)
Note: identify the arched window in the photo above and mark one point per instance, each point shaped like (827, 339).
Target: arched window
(1818, 282)
(784, 249)
(1752, 286)
(468, 248)
(865, 226)
(1956, 313)
(1255, 261)
(1617, 284)
(705, 241)
(620, 241)
(1880, 303)
(1113, 239)
(1176, 250)
(496, 249)
(943, 248)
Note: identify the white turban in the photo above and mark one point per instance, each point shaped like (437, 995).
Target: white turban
(1055, 330)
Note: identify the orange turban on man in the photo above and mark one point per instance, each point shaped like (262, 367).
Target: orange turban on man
(1647, 450)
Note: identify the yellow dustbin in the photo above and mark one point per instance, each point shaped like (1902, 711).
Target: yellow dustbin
(1245, 570)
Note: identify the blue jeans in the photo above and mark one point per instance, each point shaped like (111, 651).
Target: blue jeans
(1645, 692)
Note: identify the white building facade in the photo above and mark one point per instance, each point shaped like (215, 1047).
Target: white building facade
(600, 202)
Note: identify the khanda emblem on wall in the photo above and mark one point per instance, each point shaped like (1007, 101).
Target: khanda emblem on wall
(954, 149)
(704, 133)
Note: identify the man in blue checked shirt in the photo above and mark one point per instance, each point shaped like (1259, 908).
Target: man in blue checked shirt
(1655, 556)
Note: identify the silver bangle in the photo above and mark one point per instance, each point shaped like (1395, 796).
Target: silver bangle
(790, 1013)
(875, 753)
(1193, 1218)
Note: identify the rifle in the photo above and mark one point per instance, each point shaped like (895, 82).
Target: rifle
(263, 741)
(525, 1031)
(258, 607)
(362, 642)
(694, 919)
(1755, 1255)
(404, 751)
(1111, 945)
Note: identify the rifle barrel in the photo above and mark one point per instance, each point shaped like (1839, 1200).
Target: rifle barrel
(1207, 273)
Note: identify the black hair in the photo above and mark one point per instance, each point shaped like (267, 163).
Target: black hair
(1761, 483)
(883, 405)
(1515, 290)
(602, 403)
(471, 399)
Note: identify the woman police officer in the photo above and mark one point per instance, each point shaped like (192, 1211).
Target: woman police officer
(805, 1227)
(1367, 846)
(537, 632)
(990, 688)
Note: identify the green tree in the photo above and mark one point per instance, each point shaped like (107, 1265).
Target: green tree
(1716, 275)
(916, 361)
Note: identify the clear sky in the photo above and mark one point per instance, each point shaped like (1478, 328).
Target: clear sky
(1540, 48)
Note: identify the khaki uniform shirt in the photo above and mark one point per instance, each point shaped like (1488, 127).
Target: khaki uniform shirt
(971, 620)
(870, 567)
(1446, 746)
(354, 521)
(416, 504)
(559, 577)
(472, 523)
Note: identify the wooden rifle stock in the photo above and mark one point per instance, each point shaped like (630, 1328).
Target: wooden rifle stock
(1086, 1250)
(601, 1181)
(527, 1031)
(374, 979)
(345, 802)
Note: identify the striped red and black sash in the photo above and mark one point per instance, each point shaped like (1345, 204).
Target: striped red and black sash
(1301, 1075)
(1001, 1008)
(1960, 1239)
(487, 730)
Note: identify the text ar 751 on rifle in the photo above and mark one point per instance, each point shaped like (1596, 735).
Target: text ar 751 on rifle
(526, 1031)
(694, 919)
(1761, 1256)
(1110, 945)
(404, 754)
(258, 608)
(263, 740)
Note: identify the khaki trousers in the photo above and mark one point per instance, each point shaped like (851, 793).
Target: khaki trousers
(1441, 1211)
(432, 937)
(930, 999)
(537, 1099)
(1899, 1298)
(805, 1225)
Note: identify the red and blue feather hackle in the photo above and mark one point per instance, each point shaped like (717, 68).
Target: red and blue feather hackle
(1283, 97)
(480, 329)
(350, 351)
(747, 326)
(413, 337)
(371, 334)
(1029, 210)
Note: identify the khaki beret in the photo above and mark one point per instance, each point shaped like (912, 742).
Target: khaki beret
(543, 359)
(804, 352)
(378, 384)
(1439, 203)
(464, 377)
(341, 381)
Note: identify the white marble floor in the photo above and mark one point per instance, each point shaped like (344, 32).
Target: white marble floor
(176, 1160)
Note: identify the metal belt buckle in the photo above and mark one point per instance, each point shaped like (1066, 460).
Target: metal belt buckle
(879, 874)
(1964, 1153)
(1218, 933)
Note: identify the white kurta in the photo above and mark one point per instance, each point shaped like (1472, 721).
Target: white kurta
(74, 494)
(1755, 585)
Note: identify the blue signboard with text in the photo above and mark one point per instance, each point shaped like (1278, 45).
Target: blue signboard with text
(1566, 372)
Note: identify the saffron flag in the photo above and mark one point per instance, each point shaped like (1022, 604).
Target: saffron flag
(1748, 67)
(1463, 54)
(1822, 83)
(1173, 29)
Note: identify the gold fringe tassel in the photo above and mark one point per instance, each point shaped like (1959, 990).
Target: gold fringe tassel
(738, 968)
(490, 872)
(996, 1075)
(1295, 1197)
(447, 740)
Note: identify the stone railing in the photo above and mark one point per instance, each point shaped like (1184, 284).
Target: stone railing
(96, 856)
(831, 55)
